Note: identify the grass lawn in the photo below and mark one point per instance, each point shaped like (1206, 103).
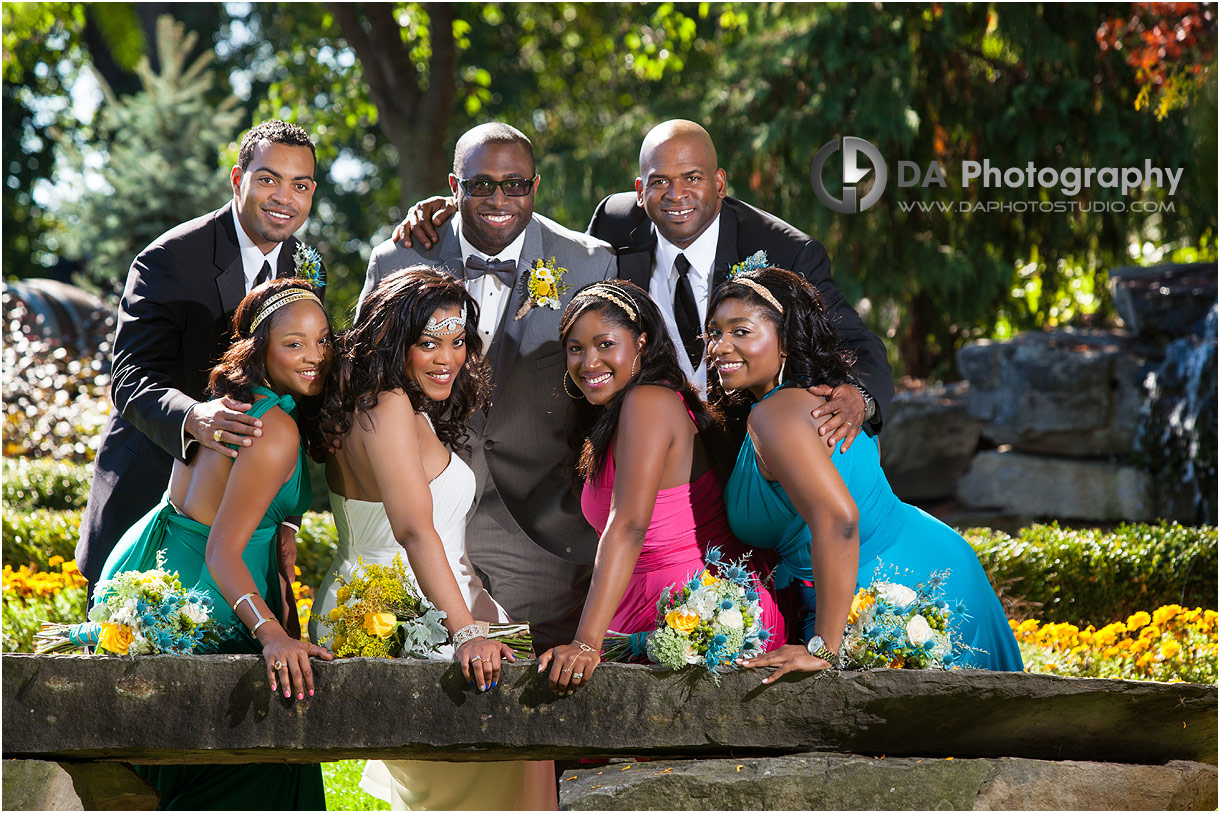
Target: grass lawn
(342, 781)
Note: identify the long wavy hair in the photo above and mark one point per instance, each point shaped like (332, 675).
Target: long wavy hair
(372, 356)
(594, 426)
(815, 354)
(244, 365)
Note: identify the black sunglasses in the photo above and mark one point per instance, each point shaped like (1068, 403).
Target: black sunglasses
(486, 187)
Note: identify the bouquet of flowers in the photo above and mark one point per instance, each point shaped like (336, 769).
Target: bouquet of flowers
(383, 614)
(892, 625)
(709, 621)
(138, 613)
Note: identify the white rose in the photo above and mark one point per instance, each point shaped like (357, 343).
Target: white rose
(195, 613)
(731, 619)
(898, 595)
(918, 630)
(692, 655)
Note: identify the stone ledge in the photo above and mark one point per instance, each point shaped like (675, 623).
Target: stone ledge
(219, 709)
(849, 782)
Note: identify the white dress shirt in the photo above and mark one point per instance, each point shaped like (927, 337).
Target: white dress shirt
(252, 257)
(701, 255)
(492, 295)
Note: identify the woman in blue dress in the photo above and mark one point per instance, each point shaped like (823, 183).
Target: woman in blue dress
(217, 527)
(828, 513)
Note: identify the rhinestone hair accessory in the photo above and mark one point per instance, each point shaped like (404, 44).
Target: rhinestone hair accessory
(761, 291)
(278, 301)
(444, 327)
(614, 294)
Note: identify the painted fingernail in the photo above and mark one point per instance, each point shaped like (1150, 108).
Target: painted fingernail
(300, 695)
(539, 667)
(311, 692)
(495, 684)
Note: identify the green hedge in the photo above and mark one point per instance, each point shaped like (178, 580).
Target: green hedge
(36, 536)
(1081, 576)
(1091, 576)
(31, 483)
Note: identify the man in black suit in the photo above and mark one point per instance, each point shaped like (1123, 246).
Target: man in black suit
(679, 234)
(173, 326)
(680, 209)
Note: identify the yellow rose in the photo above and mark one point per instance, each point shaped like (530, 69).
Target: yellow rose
(862, 602)
(380, 625)
(682, 622)
(707, 578)
(116, 638)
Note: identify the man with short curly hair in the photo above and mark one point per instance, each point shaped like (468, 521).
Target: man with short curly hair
(173, 325)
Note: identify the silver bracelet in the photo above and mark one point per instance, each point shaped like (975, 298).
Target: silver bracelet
(259, 619)
(469, 632)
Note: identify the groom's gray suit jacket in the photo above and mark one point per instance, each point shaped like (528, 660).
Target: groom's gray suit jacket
(519, 447)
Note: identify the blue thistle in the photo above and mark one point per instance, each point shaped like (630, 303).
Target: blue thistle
(714, 556)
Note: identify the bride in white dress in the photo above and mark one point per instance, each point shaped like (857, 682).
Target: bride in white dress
(410, 372)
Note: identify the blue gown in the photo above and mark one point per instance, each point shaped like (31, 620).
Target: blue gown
(898, 543)
(263, 786)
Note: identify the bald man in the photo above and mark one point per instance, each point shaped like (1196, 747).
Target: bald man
(678, 235)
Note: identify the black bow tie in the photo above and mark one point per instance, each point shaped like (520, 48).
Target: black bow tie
(505, 271)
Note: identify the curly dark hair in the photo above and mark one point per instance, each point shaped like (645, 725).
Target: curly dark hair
(244, 365)
(594, 426)
(372, 355)
(277, 132)
(815, 355)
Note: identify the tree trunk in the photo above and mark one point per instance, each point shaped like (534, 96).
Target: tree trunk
(412, 116)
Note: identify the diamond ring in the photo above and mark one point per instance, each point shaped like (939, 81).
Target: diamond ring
(578, 675)
(278, 665)
(476, 658)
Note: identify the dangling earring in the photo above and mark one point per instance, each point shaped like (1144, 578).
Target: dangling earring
(634, 361)
(783, 360)
(568, 391)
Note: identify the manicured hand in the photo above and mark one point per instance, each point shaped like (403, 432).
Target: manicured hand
(788, 658)
(226, 417)
(847, 410)
(292, 656)
(422, 219)
(571, 667)
(480, 659)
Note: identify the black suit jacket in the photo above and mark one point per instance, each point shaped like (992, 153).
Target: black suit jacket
(744, 229)
(173, 326)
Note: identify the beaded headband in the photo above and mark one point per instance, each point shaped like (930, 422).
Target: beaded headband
(278, 301)
(761, 291)
(612, 294)
(446, 326)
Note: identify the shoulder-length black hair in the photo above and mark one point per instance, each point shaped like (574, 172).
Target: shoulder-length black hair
(244, 365)
(372, 356)
(815, 355)
(595, 426)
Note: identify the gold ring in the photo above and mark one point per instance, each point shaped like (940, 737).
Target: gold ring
(216, 435)
(849, 423)
(278, 665)
(476, 658)
(569, 669)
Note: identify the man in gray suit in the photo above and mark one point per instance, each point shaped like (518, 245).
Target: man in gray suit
(525, 534)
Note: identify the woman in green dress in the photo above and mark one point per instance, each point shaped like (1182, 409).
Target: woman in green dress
(217, 527)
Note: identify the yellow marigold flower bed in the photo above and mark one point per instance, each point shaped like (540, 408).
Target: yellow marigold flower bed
(32, 596)
(1172, 643)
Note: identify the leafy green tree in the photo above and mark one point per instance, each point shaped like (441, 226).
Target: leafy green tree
(162, 165)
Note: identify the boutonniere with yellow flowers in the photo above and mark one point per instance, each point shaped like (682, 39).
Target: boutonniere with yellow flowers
(307, 265)
(754, 262)
(544, 285)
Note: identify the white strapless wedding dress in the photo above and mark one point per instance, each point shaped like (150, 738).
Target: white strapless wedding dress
(364, 533)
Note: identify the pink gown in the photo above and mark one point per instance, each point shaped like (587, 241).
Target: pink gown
(687, 520)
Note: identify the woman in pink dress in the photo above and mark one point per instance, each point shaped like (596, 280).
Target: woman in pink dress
(651, 486)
